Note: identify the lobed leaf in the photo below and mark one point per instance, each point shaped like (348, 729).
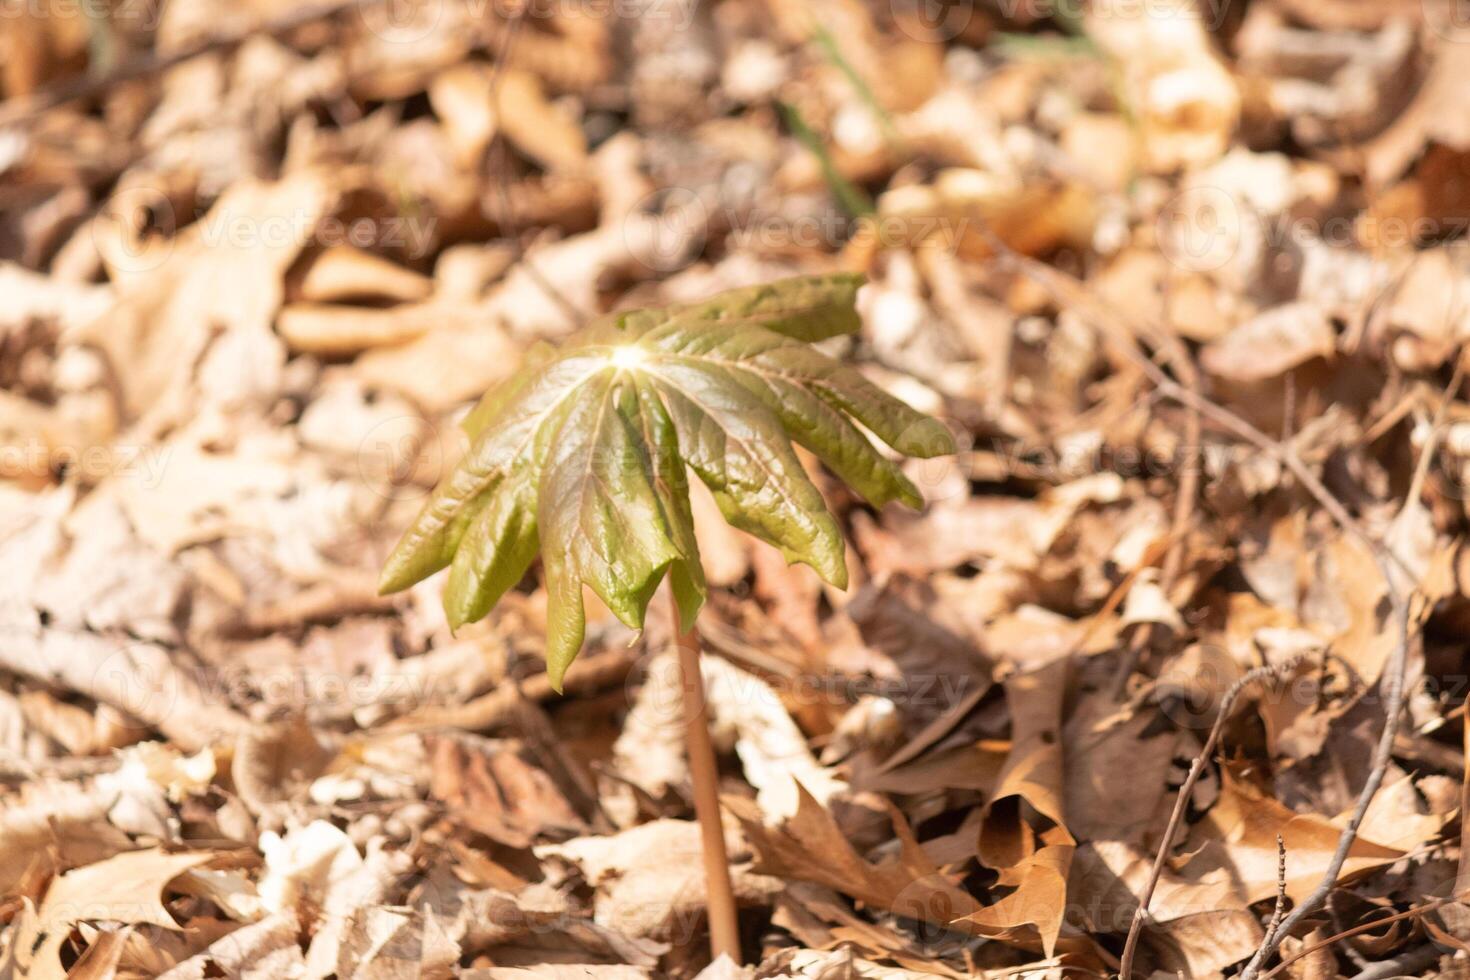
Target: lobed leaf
(582, 457)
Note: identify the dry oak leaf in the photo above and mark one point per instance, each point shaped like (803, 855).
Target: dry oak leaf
(811, 847)
(1032, 860)
(268, 948)
(1197, 926)
(1033, 772)
(125, 888)
(489, 788)
(559, 971)
(1034, 912)
(224, 273)
(1239, 833)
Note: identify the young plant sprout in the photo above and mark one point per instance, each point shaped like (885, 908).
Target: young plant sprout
(582, 458)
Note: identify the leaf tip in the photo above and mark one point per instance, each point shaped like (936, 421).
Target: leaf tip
(392, 579)
(926, 439)
(453, 614)
(839, 579)
(832, 567)
(910, 497)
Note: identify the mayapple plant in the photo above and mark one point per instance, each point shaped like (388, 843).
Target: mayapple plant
(582, 458)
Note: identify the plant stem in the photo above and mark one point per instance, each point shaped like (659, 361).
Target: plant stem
(724, 929)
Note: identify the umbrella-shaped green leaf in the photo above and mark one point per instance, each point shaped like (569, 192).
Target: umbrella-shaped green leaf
(582, 457)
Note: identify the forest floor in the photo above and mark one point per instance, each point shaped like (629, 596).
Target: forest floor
(1184, 622)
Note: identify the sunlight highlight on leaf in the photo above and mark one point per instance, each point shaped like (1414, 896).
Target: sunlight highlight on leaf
(583, 457)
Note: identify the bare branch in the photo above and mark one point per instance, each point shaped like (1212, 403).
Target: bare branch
(1227, 704)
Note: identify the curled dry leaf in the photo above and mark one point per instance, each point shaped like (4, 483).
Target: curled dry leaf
(1187, 102)
(126, 888)
(810, 846)
(1271, 344)
(649, 880)
(342, 272)
(773, 752)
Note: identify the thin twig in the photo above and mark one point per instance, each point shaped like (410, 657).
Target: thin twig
(1227, 703)
(1393, 677)
(1356, 930)
(1436, 429)
(1067, 290)
(1279, 912)
(1414, 963)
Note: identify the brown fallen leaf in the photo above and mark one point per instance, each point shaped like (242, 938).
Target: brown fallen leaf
(649, 879)
(100, 961)
(963, 205)
(341, 273)
(1101, 757)
(1031, 859)
(489, 788)
(559, 971)
(387, 944)
(1033, 772)
(1271, 344)
(269, 947)
(275, 761)
(1185, 99)
(454, 360)
(461, 98)
(1239, 833)
(474, 109)
(140, 679)
(338, 330)
(225, 273)
(1197, 925)
(772, 750)
(32, 296)
(126, 888)
(811, 847)
(1033, 913)
(1430, 117)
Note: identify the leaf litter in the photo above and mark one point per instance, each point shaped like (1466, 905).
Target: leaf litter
(1186, 285)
